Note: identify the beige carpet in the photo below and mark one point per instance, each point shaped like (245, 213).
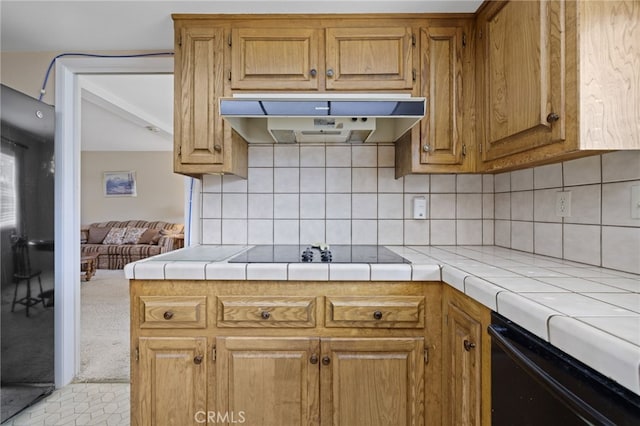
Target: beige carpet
(104, 329)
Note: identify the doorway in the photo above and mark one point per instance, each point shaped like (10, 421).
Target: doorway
(68, 213)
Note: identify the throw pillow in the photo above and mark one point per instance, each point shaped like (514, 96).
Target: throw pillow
(97, 234)
(115, 236)
(132, 236)
(148, 236)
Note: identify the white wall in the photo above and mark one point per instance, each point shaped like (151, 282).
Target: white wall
(160, 192)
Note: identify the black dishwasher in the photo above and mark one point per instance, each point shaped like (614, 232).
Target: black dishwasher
(534, 383)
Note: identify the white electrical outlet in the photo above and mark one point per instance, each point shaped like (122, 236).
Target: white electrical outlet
(419, 208)
(635, 202)
(563, 204)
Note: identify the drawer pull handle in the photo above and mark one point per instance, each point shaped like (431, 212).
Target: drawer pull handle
(377, 315)
(313, 359)
(168, 315)
(265, 315)
(326, 360)
(197, 360)
(468, 345)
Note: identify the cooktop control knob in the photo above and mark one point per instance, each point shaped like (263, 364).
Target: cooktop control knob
(307, 255)
(326, 256)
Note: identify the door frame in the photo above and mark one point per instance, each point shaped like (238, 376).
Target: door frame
(67, 197)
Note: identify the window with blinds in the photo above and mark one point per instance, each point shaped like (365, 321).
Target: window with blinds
(8, 202)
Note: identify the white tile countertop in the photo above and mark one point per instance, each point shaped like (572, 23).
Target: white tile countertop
(588, 312)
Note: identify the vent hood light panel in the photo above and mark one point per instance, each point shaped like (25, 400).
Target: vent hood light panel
(330, 118)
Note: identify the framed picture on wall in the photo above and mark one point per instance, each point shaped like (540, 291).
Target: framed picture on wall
(119, 184)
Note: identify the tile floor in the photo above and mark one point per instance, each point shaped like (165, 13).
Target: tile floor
(79, 404)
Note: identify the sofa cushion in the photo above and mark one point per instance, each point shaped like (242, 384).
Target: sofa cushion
(115, 236)
(97, 234)
(132, 236)
(150, 236)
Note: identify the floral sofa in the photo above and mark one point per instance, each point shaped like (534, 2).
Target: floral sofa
(120, 242)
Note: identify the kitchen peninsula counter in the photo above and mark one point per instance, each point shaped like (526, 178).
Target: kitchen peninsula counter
(591, 313)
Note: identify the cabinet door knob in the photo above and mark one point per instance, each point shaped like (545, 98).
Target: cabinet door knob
(552, 117)
(377, 315)
(265, 315)
(313, 359)
(426, 148)
(326, 360)
(197, 360)
(168, 315)
(217, 148)
(468, 345)
(329, 73)
(313, 72)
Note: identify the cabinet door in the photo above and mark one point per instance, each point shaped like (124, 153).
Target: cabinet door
(369, 58)
(462, 364)
(442, 86)
(522, 69)
(198, 84)
(372, 382)
(171, 381)
(274, 58)
(268, 381)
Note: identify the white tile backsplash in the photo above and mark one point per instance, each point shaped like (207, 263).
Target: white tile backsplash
(522, 180)
(364, 179)
(549, 176)
(312, 156)
(443, 183)
(364, 156)
(349, 195)
(260, 179)
(286, 180)
(621, 165)
(582, 171)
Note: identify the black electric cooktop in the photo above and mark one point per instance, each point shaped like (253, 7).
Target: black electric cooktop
(308, 254)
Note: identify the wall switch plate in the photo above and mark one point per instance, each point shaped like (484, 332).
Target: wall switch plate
(635, 202)
(419, 208)
(563, 204)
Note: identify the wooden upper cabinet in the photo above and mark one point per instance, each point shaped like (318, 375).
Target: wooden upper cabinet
(369, 58)
(442, 86)
(199, 81)
(444, 140)
(202, 144)
(522, 47)
(275, 58)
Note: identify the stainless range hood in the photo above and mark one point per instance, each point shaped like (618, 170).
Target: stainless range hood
(323, 118)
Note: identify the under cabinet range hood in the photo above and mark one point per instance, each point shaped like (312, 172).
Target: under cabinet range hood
(322, 118)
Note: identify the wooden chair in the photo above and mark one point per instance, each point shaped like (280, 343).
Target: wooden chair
(22, 272)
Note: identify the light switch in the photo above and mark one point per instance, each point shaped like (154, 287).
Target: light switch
(419, 208)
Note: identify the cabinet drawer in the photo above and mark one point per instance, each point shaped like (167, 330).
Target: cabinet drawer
(375, 311)
(247, 311)
(173, 312)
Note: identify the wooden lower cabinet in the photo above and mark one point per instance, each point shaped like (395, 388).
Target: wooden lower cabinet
(312, 381)
(371, 382)
(268, 381)
(466, 361)
(171, 381)
(285, 353)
